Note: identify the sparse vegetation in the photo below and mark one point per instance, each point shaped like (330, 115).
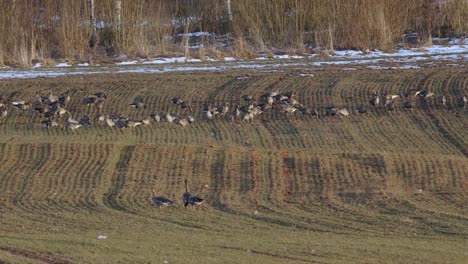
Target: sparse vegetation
(63, 30)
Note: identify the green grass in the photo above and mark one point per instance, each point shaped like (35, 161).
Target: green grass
(377, 188)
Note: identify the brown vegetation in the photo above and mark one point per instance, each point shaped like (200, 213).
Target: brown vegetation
(46, 29)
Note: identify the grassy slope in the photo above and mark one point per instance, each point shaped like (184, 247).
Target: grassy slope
(384, 187)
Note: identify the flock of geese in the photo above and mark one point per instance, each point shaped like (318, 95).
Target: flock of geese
(53, 108)
(187, 199)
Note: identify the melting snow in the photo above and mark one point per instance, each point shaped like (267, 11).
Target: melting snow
(63, 65)
(401, 59)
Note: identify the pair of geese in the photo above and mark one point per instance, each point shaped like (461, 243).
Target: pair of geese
(187, 198)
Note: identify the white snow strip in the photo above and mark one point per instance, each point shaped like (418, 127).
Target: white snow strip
(83, 64)
(65, 64)
(37, 65)
(127, 62)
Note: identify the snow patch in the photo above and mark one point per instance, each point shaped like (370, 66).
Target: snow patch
(65, 64)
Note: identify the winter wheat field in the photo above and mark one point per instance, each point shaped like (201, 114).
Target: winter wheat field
(380, 187)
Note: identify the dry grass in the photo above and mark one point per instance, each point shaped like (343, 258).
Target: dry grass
(384, 187)
(40, 30)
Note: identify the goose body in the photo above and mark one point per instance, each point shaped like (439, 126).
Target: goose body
(110, 122)
(190, 199)
(159, 201)
(343, 112)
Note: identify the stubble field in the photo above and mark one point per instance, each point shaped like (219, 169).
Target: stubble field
(382, 187)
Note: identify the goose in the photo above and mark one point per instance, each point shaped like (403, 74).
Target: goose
(462, 101)
(3, 112)
(50, 123)
(64, 99)
(247, 97)
(51, 98)
(121, 123)
(374, 100)
(190, 199)
(248, 117)
(100, 95)
(89, 99)
(237, 112)
(186, 106)
(21, 105)
(343, 112)
(331, 111)
(61, 111)
(392, 97)
(146, 121)
(137, 105)
(443, 100)
(208, 115)
(159, 201)
(309, 111)
(99, 104)
(176, 101)
(39, 98)
(46, 123)
(361, 109)
(390, 107)
(191, 119)
(85, 121)
(223, 109)
(428, 94)
(183, 122)
(109, 122)
(408, 105)
(289, 109)
(101, 118)
(170, 118)
(74, 126)
(131, 123)
(229, 118)
(156, 117)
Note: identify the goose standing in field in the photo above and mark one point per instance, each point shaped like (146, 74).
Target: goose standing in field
(109, 122)
(191, 119)
(64, 99)
(51, 98)
(462, 101)
(170, 118)
(375, 100)
(3, 111)
(190, 199)
(208, 115)
(156, 117)
(159, 201)
(443, 100)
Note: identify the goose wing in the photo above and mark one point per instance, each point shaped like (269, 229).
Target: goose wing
(195, 200)
(157, 201)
